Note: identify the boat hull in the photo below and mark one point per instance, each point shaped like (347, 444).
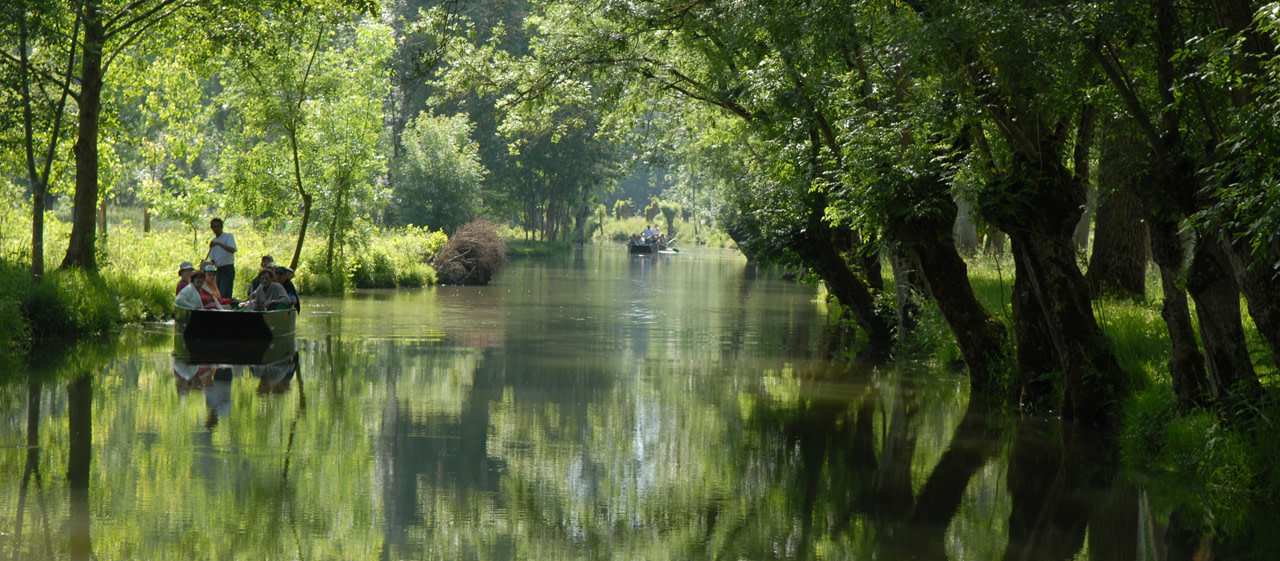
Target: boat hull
(234, 337)
(645, 248)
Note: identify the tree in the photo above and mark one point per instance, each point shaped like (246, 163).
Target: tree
(43, 18)
(437, 178)
(278, 75)
(108, 29)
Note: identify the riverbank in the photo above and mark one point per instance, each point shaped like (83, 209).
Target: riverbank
(138, 271)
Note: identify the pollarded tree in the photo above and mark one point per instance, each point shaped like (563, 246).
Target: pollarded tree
(1007, 62)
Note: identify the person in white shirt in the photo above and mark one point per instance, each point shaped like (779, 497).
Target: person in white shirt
(648, 234)
(193, 296)
(222, 249)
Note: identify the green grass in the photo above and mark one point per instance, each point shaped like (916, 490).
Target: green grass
(138, 270)
(532, 248)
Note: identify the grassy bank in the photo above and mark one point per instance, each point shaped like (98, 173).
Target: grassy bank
(138, 270)
(1224, 475)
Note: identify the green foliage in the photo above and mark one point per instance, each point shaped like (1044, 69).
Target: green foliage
(623, 208)
(437, 179)
(15, 283)
(1205, 465)
(141, 299)
(531, 248)
(621, 230)
(389, 259)
(70, 302)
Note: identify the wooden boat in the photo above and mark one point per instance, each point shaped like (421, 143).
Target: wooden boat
(234, 337)
(644, 248)
(650, 248)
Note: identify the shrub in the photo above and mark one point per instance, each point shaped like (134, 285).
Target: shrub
(15, 283)
(621, 230)
(70, 302)
(474, 255)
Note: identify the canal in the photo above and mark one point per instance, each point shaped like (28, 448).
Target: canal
(595, 406)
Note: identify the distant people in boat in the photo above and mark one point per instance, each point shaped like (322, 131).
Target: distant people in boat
(185, 270)
(648, 235)
(194, 297)
(284, 276)
(222, 249)
(269, 295)
(267, 263)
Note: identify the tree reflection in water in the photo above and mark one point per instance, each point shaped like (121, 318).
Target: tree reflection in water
(676, 417)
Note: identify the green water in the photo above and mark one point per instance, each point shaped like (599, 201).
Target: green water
(597, 406)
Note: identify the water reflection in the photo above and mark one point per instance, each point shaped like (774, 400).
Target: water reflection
(592, 407)
(214, 381)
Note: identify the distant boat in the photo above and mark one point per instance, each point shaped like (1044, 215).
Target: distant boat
(650, 248)
(234, 336)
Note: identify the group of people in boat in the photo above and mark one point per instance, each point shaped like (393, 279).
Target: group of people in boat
(210, 286)
(650, 235)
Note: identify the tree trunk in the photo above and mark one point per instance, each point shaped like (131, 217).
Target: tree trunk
(1039, 368)
(815, 247)
(1217, 298)
(1119, 263)
(102, 217)
(966, 232)
(908, 287)
(80, 248)
(1041, 232)
(1261, 289)
(306, 200)
(1186, 362)
(981, 337)
(1118, 266)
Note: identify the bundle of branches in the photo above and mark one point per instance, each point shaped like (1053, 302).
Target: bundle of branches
(473, 255)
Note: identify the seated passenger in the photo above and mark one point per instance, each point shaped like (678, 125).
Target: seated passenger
(211, 283)
(194, 297)
(266, 263)
(184, 271)
(284, 276)
(269, 295)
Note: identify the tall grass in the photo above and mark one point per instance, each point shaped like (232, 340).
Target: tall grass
(138, 271)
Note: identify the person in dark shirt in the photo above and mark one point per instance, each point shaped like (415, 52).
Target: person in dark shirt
(284, 276)
(267, 263)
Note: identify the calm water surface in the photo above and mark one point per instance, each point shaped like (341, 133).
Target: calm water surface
(597, 406)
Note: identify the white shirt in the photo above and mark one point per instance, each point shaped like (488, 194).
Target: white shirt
(189, 298)
(222, 257)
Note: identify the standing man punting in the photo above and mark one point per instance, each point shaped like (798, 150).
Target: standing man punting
(222, 249)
